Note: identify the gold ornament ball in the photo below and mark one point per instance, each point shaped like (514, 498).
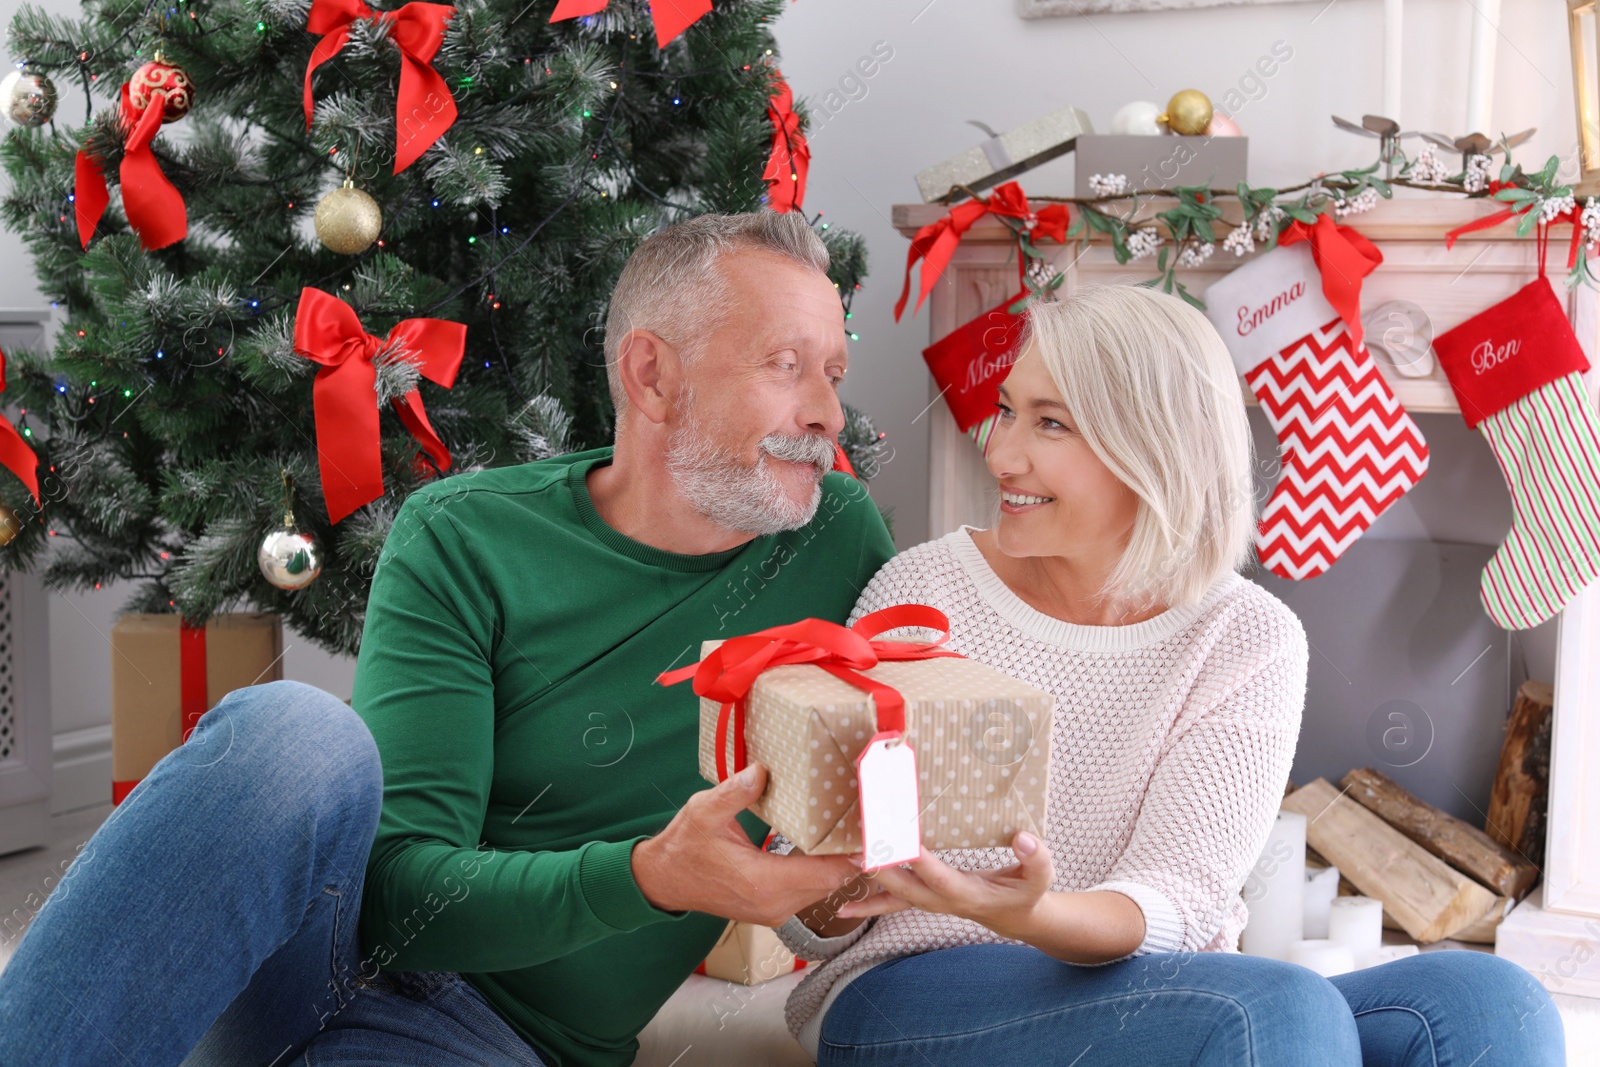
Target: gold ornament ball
(348, 220)
(29, 98)
(289, 558)
(1188, 113)
(159, 75)
(10, 525)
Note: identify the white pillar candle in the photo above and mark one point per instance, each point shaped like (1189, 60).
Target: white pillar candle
(1356, 923)
(1383, 954)
(1391, 58)
(1274, 892)
(1322, 885)
(1485, 16)
(1327, 958)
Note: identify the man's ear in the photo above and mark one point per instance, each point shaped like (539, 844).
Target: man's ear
(651, 373)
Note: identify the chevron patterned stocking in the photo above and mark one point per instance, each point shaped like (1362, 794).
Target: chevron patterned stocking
(1348, 450)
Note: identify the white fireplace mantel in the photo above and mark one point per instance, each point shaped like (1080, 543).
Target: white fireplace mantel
(1555, 934)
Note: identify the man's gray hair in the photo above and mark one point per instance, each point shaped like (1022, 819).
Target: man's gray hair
(672, 287)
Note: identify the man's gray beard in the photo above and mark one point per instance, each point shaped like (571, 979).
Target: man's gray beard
(730, 494)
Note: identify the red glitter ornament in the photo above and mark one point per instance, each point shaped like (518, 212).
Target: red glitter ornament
(160, 76)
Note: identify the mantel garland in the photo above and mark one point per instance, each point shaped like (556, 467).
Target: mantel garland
(1191, 225)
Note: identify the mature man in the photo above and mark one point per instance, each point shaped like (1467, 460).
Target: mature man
(547, 866)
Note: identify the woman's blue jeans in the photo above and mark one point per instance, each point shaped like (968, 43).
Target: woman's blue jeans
(211, 920)
(1003, 1004)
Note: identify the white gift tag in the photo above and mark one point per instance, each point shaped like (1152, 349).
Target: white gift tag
(891, 826)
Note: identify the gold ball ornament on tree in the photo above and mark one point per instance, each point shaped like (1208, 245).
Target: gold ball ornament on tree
(289, 557)
(1188, 113)
(10, 525)
(157, 76)
(29, 98)
(348, 220)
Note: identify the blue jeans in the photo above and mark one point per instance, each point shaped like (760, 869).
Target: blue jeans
(211, 919)
(1002, 1004)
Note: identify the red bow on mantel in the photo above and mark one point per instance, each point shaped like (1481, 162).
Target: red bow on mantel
(1572, 215)
(936, 242)
(729, 672)
(1343, 257)
(153, 205)
(15, 455)
(424, 108)
(790, 159)
(671, 17)
(349, 451)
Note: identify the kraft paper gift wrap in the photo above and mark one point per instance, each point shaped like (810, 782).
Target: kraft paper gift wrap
(749, 954)
(982, 741)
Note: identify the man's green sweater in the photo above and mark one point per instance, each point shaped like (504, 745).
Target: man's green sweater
(507, 672)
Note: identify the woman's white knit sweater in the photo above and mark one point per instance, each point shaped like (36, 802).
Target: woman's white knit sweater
(1172, 744)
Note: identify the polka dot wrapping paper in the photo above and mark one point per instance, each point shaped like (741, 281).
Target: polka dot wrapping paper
(982, 741)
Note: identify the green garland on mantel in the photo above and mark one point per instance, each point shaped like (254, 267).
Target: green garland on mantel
(1191, 224)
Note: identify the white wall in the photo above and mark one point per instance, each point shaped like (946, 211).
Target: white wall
(958, 59)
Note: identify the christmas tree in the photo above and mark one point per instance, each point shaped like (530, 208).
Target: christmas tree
(491, 165)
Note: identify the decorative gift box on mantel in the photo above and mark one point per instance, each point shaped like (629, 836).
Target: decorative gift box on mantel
(981, 738)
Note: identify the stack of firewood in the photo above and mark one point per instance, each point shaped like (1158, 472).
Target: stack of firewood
(1437, 876)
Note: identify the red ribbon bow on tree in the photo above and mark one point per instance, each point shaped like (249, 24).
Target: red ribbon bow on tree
(730, 670)
(349, 449)
(153, 205)
(671, 17)
(1344, 258)
(936, 242)
(1572, 215)
(790, 159)
(424, 102)
(15, 455)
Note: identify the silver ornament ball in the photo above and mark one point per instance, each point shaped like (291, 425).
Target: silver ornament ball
(289, 558)
(29, 98)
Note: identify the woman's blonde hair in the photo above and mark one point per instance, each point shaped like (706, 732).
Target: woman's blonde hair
(1152, 389)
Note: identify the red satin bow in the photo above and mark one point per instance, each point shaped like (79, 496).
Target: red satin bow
(15, 455)
(1344, 258)
(936, 242)
(729, 672)
(349, 451)
(424, 108)
(671, 17)
(1572, 215)
(153, 205)
(790, 159)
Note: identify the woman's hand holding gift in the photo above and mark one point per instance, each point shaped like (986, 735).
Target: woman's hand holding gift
(1015, 902)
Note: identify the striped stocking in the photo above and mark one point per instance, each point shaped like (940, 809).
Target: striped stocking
(1348, 449)
(1517, 371)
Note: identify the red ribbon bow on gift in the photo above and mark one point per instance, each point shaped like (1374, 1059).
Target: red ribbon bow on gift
(153, 204)
(349, 450)
(936, 242)
(1572, 215)
(671, 17)
(1344, 258)
(790, 159)
(424, 101)
(730, 670)
(15, 455)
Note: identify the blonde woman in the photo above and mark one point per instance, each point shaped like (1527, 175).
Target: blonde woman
(1123, 460)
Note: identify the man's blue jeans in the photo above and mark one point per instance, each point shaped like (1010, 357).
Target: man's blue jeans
(211, 920)
(1004, 1004)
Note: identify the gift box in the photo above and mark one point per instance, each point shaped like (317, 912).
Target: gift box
(981, 738)
(1161, 162)
(165, 675)
(1006, 155)
(749, 954)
